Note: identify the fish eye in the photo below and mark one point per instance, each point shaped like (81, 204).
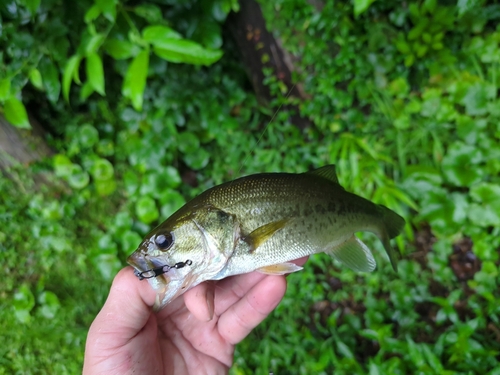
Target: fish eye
(164, 241)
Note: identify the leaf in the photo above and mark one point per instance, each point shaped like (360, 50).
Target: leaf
(108, 8)
(486, 213)
(50, 76)
(170, 201)
(120, 49)
(477, 97)
(4, 88)
(78, 178)
(172, 177)
(208, 33)
(93, 44)
(157, 33)
(50, 304)
(135, 79)
(15, 113)
(70, 70)
(35, 78)
(188, 142)
(87, 135)
(146, 210)
(197, 160)
(95, 73)
(360, 6)
(460, 164)
(91, 14)
(23, 302)
(86, 91)
(105, 187)
(150, 12)
(32, 5)
(186, 51)
(102, 170)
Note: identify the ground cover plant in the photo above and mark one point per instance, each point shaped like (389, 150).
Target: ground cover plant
(403, 97)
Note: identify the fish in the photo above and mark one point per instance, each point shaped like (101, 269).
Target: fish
(262, 222)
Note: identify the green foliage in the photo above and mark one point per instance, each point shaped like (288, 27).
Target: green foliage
(403, 98)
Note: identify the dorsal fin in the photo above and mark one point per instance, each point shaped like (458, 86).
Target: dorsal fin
(328, 172)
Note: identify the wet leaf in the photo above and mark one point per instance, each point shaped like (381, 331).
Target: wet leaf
(4, 88)
(16, 114)
(35, 78)
(157, 33)
(50, 76)
(70, 70)
(135, 79)
(360, 6)
(95, 73)
(185, 51)
(120, 49)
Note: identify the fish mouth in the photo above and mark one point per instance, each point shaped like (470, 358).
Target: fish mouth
(167, 287)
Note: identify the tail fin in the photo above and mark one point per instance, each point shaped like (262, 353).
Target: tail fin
(393, 225)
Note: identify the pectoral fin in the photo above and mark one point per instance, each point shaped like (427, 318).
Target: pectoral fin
(280, 269)
(263, 233)
(355, 255)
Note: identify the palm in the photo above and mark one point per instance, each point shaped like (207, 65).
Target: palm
(126, 337)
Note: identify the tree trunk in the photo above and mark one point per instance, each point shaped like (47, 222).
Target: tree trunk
(259, 49)
(20, 146)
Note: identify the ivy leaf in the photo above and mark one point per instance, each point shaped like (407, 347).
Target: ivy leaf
(50, 77)
(135, 79)
(120, 49)
(185, 51)
(95, 73)
(15, 113)
(70, 70)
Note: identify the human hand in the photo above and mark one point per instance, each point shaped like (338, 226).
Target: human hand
(127, 337)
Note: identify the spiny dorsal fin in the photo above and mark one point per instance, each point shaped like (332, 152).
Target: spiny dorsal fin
(263, 233)
(328, 172)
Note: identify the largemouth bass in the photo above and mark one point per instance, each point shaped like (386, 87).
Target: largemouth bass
(262, 222)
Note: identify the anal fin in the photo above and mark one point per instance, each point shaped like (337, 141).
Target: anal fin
(354, 254)
(279, 269)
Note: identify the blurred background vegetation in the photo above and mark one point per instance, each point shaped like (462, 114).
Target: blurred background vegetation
(135, 107)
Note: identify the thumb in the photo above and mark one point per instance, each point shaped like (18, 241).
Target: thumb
(125, 312)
